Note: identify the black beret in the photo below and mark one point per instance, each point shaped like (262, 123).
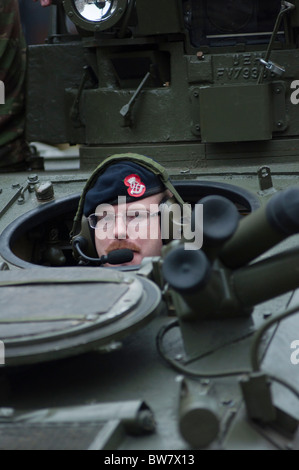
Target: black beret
(124, 178)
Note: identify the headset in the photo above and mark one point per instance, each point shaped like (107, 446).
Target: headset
(82, 238)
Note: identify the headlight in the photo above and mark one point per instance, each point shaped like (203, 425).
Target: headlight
(95, 15)
(94, 10)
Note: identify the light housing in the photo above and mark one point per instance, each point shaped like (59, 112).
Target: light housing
(95, 15)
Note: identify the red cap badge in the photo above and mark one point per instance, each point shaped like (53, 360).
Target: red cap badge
(135, 186)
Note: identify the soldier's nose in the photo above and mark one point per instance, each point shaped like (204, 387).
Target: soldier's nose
(120, 228)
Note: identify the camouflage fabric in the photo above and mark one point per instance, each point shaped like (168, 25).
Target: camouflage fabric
(13, 148)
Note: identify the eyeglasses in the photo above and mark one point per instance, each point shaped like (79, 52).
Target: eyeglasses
(108, 219)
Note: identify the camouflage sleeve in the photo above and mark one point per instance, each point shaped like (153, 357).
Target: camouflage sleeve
(13, 147)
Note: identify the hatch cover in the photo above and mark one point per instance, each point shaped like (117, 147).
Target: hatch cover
(52, 313)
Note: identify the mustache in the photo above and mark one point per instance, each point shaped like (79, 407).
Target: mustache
(120, 244)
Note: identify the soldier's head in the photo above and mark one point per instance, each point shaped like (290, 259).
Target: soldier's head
(122, 208)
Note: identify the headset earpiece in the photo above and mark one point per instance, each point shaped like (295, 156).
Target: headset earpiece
(84, 234)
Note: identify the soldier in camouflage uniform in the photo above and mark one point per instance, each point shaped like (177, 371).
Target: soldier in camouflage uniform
(13, 148)
(14, 152)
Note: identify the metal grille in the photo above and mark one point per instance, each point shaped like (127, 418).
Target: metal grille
(48, 437)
